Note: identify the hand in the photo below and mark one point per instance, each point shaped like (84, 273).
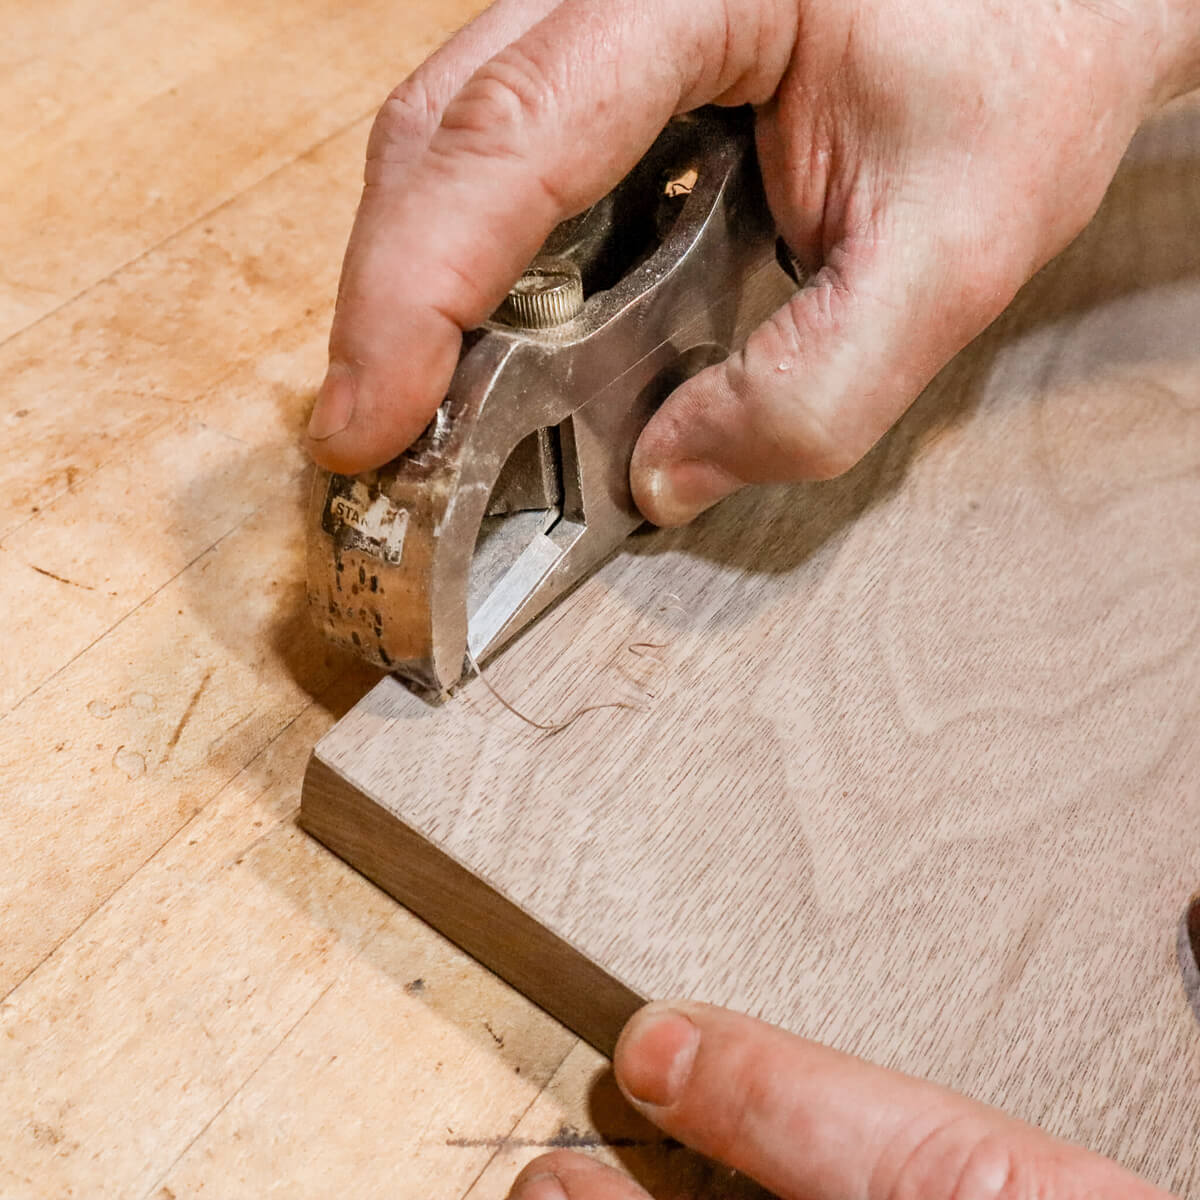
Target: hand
(923, 158)
(809, 1123)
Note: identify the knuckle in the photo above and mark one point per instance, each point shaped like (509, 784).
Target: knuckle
(502, 115)
(954, 1161)
(990, 1172)
(503, 101)
(407, 115)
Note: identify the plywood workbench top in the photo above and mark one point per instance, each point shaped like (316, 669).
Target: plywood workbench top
(195, 997)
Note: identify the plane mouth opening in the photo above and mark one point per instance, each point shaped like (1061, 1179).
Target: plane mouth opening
(521, 537)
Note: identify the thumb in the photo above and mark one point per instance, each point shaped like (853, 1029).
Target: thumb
(807, 1121)
(822, 379)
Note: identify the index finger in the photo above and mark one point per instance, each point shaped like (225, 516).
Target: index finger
(545, 128)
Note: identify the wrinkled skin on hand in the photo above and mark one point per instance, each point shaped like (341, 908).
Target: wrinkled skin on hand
(922, 159)
(809, 1123)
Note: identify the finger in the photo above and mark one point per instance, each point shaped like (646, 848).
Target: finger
(545, 128)
(809, 1123)
(399, 136)
(411, 114)
(818, 383)
(566, 1176)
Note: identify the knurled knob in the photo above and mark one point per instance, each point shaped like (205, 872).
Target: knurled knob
(549, 293)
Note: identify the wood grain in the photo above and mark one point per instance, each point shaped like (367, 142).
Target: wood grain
(913, 766)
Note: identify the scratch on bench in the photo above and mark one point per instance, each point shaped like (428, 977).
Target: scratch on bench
(187, 715)
(87, 587)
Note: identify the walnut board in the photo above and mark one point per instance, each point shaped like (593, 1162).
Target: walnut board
(910, 761)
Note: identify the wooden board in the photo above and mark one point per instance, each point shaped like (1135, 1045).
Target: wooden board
(909, 761)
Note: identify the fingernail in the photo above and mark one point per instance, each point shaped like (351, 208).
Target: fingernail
(334, 408)
(540, 1187)
(677, 494)
(655, 1055)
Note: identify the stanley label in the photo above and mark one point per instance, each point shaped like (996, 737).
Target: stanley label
(362, 521)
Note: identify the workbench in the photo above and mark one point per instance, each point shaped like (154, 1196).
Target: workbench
(197, 997)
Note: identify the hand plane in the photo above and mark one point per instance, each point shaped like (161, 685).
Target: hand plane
(519, 486)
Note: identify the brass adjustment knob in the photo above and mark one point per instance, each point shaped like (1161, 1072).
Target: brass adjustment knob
(549, 293)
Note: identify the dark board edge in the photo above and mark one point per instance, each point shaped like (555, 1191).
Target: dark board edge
(462, 907)
(1188, 948)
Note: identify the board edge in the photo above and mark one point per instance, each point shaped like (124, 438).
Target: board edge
(462, 907)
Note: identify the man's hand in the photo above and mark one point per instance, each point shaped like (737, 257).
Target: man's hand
(923, 158)
(809, 1123)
